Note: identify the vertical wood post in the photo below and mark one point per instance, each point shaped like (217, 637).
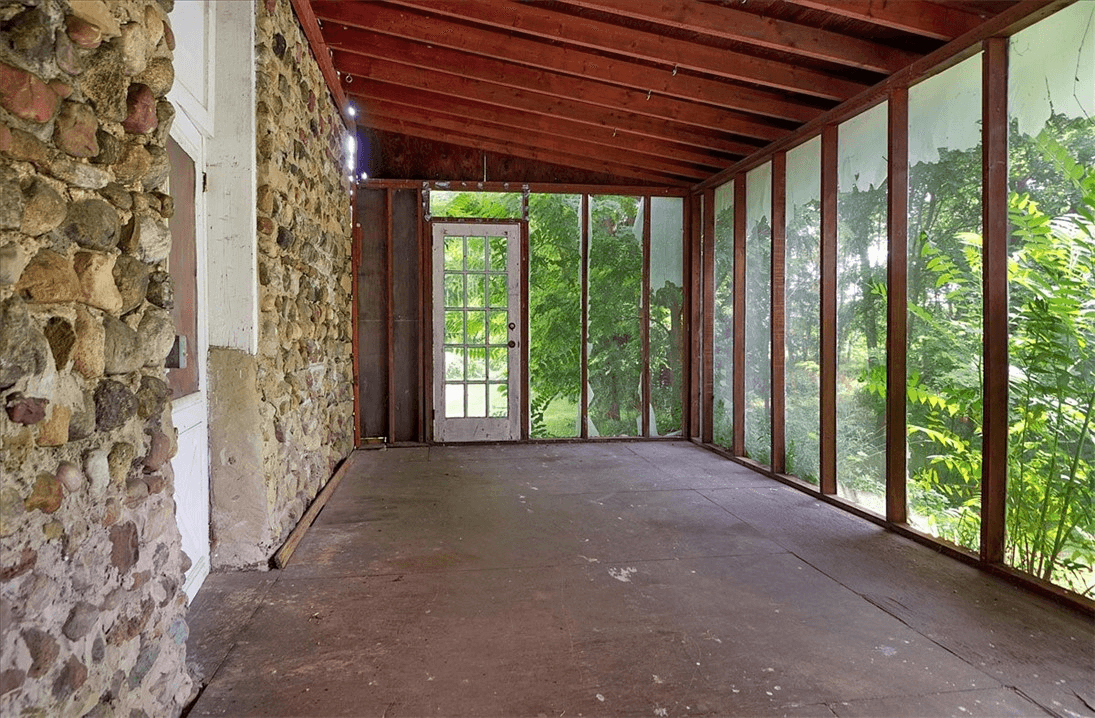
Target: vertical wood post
(708, 315)
(524, 320)
(778, 299)
(828, 308)
(584, 251)
(994, 126)
(689, 320)
(896, 282)
(644, 313)
(355, 336)
(389, 288)
(738, 443)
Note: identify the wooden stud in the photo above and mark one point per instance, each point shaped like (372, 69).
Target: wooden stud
(584, 208)
(689, 320)
(778, 275)
(425, 316)
(644, 329)
(708, 281)
(827, 428)
(355, 336)
(389, 223)
(738, 443)
(896, 287)
(525, 428)
(994, 124)
(426, 239)
(281, 558)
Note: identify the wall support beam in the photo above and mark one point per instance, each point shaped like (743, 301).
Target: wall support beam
(827, 429)
(994, 124)
(778, 299)
(896, 281)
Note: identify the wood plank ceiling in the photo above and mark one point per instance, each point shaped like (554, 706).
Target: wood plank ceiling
(662, 91)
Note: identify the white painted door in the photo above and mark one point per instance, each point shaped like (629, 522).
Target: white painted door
(477, 342)
(189, 404)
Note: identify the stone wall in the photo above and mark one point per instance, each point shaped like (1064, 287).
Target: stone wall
(303, 372)
(92, 619)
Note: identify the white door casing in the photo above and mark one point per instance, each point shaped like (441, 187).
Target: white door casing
(477, 342)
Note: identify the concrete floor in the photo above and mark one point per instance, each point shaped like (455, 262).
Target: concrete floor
(620, 579)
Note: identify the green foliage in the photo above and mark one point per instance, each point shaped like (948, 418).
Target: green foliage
(1051, 448)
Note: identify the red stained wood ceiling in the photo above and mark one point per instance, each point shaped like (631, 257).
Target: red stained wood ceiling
(669, 91)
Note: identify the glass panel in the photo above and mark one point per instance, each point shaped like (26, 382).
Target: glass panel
(454, 364)
(499, 295)
(475, 205)
(1051, 274)
(454, 327)
(476, 290)
(615, 297)
(723, 419)
(803, 316)
(499, 403)
(477, 400)
(454, 253)
(477, 327)
(758, 325)
(477, 254)
(497, 257)
(454, 401)
(498, 331)
(454, 290)
(555, 315)
(861, 310)
(477, 363)
(666, 313)
(499, 363)
(943, 397)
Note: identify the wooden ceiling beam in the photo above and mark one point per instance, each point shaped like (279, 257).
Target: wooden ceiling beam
(428, 103)
(494, 94)
(669, 52)
(339, 17)
(386, 49)
(414, 129)
(918, 17)
(554, 144)
(745, 27)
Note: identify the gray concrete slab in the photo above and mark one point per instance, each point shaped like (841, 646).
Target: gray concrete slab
(442, 584)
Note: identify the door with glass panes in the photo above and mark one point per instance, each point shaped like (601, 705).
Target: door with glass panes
(477, 344)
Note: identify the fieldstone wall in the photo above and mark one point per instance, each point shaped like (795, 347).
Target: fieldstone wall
(92, 619)
(304, 367)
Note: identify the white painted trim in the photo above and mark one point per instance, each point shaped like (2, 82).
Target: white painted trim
(195, 577)
(200, 109)
(233, 192)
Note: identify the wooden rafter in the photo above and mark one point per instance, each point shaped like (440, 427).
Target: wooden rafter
(424, 105)
(492, 43)
(741, 26)
(918, 17)
(494, 94)
(559, 87)
(548, 142)
(429, 132)
(637, 44)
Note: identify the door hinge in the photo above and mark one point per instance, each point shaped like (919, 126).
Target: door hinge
(205, 181)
